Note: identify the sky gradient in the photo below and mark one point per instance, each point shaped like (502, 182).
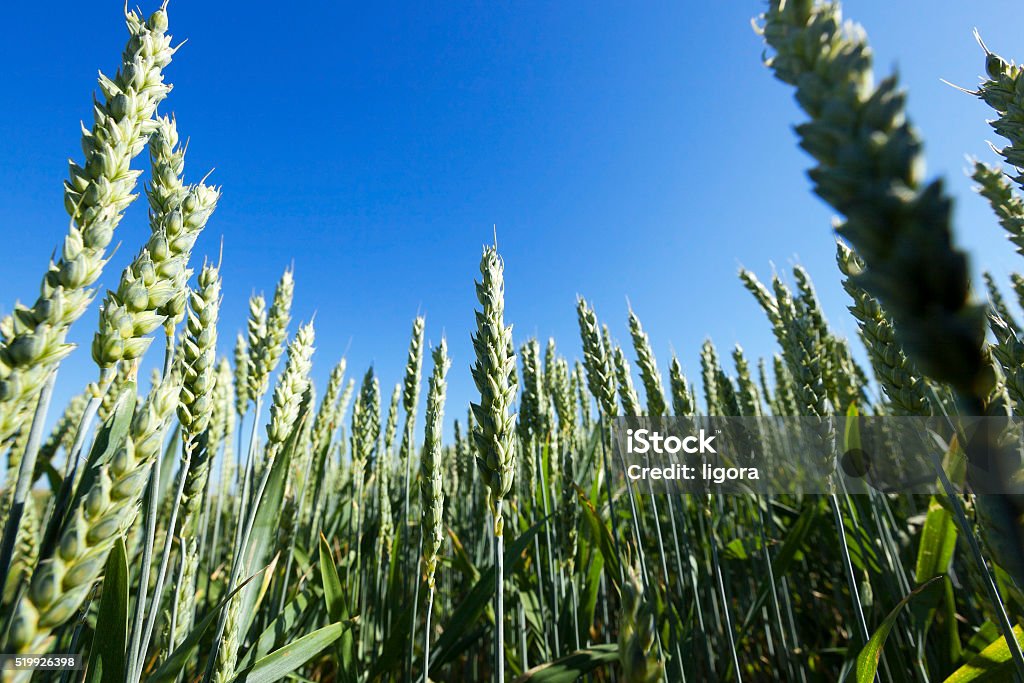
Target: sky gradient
(622, 150)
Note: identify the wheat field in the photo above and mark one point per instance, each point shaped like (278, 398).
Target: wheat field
(226, 520)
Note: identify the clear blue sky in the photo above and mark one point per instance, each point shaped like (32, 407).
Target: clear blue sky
(633, 150)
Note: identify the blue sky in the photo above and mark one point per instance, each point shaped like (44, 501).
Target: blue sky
(634, 150)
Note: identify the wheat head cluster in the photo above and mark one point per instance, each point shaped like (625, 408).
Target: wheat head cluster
(226, 520)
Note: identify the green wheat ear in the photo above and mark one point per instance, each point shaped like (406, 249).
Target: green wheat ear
(197, 401)
(431, 484)
(596, 359)
(683, 404)
(1008, 350)
(241, 358)
(386, 530)
(578, 379)
(996, 301)
(785, 393)
(413, 368)
(565, 408)
(256, 330)
(326, 421)
(550, 355)
(1003, 91)
(532, 396)
(391, 424)
(494, 373)
(410, 404)
(903, 386)
(650, 376)
(178, 214)
(531, 427)
(266, 349)
(222, 420)
(290, 390)
(869, 169)
(748, 397)
(62, 582)
(1005, 202)
(366, 425)
(96, 195)
(563, 400)
(638, 653)
(624, 380)
(728, 399)
(709, 369)
(199, 356)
